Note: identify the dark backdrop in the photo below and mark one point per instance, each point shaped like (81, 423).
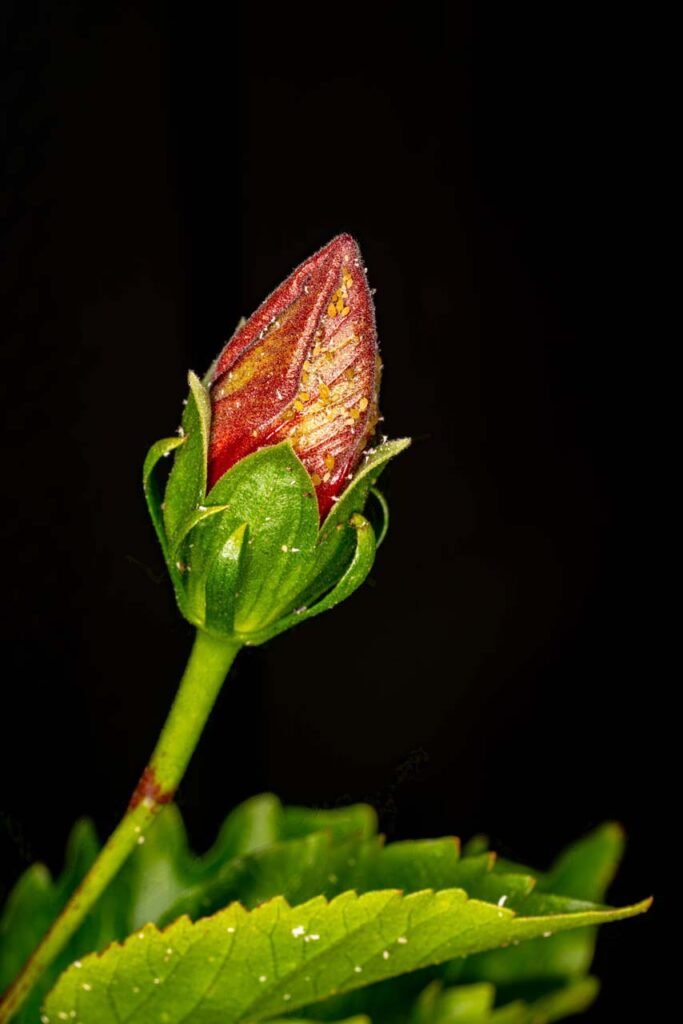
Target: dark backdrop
(167, 168)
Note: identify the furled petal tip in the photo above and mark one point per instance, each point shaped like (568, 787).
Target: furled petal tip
(304, 367)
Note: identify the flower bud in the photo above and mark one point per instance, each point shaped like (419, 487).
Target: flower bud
(303, 368)
(261, 518)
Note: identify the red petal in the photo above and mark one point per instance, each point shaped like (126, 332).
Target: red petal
(303, 367)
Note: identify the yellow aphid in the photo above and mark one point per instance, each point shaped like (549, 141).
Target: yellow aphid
(332, 310)
(304, 396)
(308, 366)
(329, 462)
(317, 480)
(345, 311)
(363, 404)
(353, 413)
(340, 304)
(324, 391)
(299, 406)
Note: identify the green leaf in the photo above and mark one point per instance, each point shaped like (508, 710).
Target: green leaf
(476, 1004)
(358, 1019)
(186, 486)
(467, 1004)
(354, 821)
(356, 573)
(296, 869)
(586, 869)
(264, 850)
(582, 873)
(252, 825)
(575, 997)
(164, 871)
(32, 906)
(240, 965)
(436, 863)
(308, 853)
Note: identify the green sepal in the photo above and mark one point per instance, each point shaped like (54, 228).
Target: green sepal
(223, 581)
(197, 516)
(336, 542)
(355, 574)
(153, 495)
(187, 482)
(272, 493)
(380, 527)
(355, 495)
(159, 450)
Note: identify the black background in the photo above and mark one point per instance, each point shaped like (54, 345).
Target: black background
(167, 167)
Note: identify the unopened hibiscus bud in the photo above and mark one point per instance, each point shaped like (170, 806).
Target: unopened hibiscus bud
(303, 368)
(261, 518)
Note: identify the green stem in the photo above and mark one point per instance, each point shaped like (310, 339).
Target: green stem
(207, 667)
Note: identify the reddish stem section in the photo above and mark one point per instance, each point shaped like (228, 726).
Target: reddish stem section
(150, 789)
